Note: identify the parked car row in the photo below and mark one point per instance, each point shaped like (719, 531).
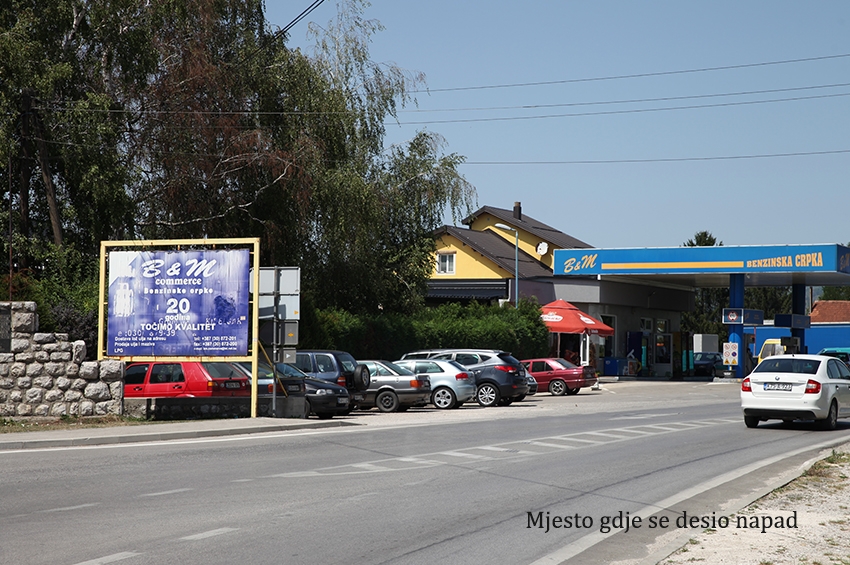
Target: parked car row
(334, 383)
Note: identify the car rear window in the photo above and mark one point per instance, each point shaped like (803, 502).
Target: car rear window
(399, 370)
(801, 366)
(348, 362)
(508, 358)
(565, 364)
(219, 370)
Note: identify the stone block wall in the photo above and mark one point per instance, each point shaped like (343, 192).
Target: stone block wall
(43, 374)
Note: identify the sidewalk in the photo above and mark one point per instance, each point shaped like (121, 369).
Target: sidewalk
(184, 429)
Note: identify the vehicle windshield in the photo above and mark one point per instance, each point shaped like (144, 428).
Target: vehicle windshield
(801, 366)
(564, 363)
(843, 355)
(288, 370)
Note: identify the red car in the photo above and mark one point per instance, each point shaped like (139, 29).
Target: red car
(186, 378)
(559, 376)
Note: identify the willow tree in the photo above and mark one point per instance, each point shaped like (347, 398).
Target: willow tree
(195, 119)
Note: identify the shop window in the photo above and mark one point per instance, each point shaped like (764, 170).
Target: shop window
(445, 263)
(662, 326)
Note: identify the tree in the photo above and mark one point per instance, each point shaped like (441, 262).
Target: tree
(707, 316)
(194, 119)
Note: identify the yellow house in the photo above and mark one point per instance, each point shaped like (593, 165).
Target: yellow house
(498, 249)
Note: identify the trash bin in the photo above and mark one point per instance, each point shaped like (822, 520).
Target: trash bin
(614, 366)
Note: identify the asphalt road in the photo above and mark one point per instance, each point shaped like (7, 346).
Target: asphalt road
(466, 486)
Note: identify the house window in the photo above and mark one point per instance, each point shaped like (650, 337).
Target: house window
(445, 263)
(662, 326)
(646, 325)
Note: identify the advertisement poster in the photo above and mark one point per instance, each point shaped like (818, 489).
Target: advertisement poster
(183, 303)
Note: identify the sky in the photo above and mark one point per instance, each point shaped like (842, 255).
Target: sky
(632, 123)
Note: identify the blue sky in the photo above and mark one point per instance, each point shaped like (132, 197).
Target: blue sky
(605, 160)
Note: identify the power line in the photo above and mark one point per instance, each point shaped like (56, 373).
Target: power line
(628, 101)
(636, 75)
(663, 159)
(617, 112)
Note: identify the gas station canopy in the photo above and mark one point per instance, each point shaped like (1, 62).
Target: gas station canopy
(705, 267)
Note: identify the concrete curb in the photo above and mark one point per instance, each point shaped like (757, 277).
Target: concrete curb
(126, 435)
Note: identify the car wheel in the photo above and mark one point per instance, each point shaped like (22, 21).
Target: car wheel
(387, 401)
(831, 420)
(361, 377)
(751, 421)
(443, 398)
(557, 387)
(325, 415)
(519, 398)
(487, 395)
(506, 401)
(573, 391)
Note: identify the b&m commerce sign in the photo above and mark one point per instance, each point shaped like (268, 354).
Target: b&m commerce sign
(178, 303)
(696, 260)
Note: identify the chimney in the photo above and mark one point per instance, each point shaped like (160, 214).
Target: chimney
(518, 211)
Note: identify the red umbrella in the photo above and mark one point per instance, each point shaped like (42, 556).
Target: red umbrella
(562, 317)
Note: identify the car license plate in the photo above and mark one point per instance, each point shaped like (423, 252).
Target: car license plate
(293, 388)
(359, 397)
(231, 384)
(777, 386)
(342, 400)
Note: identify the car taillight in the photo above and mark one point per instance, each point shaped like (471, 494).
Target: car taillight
(506, 368)
(212, 384)
(271, 387)
(745, 385)
(340, 380)
(461, 376)
(415, 384)
(812, 387)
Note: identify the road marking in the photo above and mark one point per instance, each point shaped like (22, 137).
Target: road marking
(506, 451)
(209, 534)
(67, 508)
(110, 558)
(166, 492)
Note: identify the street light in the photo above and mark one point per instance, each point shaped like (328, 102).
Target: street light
(516, 261)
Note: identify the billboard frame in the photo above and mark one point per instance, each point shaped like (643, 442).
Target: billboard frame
(252, 244)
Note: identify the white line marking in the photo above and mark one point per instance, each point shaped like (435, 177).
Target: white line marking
(369, 467)
(110, 558)
(209, 534)
(166, 492)
(544, 444)
(67, 508)
(460, 454)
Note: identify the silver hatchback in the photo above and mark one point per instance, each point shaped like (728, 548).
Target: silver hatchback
(451, 383)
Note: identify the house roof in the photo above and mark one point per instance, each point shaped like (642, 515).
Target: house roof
(499, 250)
(831, 311)
(516, 218)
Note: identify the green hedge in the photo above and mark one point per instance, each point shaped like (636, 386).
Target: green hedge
(388, 336)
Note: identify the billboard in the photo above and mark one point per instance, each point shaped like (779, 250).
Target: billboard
(178, 303)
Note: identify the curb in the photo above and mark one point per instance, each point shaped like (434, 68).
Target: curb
(126, 438)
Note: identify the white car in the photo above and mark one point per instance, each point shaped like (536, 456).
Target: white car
(797, 387)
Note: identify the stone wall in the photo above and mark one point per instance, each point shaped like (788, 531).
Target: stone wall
(43, 374)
